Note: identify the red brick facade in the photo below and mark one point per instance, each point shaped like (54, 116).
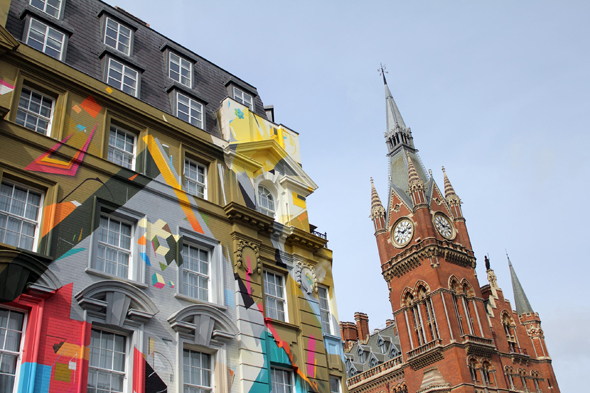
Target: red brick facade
(454, 335)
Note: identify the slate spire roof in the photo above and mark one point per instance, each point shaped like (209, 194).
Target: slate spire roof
(520, 299)
(394, 117)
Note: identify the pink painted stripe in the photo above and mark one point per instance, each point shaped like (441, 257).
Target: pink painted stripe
(4, 83)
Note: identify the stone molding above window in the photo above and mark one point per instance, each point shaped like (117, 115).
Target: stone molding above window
(203, 323)
(116, 302)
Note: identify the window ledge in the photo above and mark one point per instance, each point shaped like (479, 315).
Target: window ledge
(98, 273)
(186, 90)
(107, 50)
(180, 296)
(281, 323)
(59, 24)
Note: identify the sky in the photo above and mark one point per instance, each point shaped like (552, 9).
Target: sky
(496, 91)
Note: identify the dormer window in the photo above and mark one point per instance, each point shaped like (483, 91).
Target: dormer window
(117, 36)
(266, 201)
(373, 362)
(180, 69)
(361, 355)
(243, 98)
(382, 345)
(50, 7)
(393, 352)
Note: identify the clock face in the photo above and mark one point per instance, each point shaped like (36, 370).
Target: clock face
(443, 226)
(402, 232)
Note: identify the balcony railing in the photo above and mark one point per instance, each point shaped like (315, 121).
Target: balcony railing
(424, 348)
(467, 338)
(319, 234)
(378, 369)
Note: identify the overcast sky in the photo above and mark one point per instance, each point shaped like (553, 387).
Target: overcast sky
(498, 92)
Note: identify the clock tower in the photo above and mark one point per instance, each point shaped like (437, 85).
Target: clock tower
(451, 337)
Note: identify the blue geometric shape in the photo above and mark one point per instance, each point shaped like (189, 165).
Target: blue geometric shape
(145, 258)
(80, 127)
(229, 298)
(71, 252)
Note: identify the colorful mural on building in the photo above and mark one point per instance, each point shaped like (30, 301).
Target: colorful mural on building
(134, 278)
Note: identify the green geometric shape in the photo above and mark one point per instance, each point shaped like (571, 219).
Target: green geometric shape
(163, 266)
(156, 242)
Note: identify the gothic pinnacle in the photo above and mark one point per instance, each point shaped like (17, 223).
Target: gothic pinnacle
(450, 194)
(377, 209)
(413, 179)
(520, 300)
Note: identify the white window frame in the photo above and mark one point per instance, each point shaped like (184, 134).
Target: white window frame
(196, 273)
(136, 273)
(119, 130)
(121, 84)
(47, 30)
(19, 354)
(189, 180)
(282, 298)
(120, 27)
(47, 5)
(211, 370)
(323, 310)
(339, 383)
(130, 252)
(127, 363)
(291, 385)
(241, 96)
(22, 218)
(200, 121)
(216, 268)
(265, 191)
(182, 63)
(27, 111)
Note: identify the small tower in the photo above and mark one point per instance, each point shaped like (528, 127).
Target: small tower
(527, 316)
(377, 210)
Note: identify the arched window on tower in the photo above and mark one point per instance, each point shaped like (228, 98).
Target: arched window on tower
(473, 370)
(465, 300)
(428, 308)
(455, 289)
(485, 371)
(266, 201)
(417, 319)
(509, 371)
(522, 374)
(508, 329)
(535, 376)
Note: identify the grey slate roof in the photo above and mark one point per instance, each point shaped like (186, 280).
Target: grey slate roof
(371, 350)
(520, 299)
(81, 20)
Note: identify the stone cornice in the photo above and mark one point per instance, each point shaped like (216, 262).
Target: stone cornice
(413, 256)
(241, 214)
(305, 239)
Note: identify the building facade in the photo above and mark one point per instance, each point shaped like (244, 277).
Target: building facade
(451, 335)
(154, 235)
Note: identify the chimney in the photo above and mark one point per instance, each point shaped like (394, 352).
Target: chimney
(349, 334)
(389, 322)
(362, 325)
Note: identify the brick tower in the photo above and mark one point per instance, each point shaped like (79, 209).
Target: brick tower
(454, 335)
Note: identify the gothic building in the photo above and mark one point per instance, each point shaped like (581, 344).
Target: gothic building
(452, 335)
(154, 232)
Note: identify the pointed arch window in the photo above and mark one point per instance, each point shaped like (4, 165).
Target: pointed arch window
(473, 370)
(454, 288)
(266, 201)
(508, 329)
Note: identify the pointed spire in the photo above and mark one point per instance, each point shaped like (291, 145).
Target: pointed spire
(450, 194)
(414, 180)
(377, 209)
(394, 117)
(520, 299)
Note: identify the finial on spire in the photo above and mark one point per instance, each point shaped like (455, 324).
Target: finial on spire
(413, 179)
(450, 194)
(520, 300)
(382, 71)
(377, 209)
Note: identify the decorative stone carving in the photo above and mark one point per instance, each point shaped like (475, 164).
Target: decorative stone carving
(242, 256)
(305, 277)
